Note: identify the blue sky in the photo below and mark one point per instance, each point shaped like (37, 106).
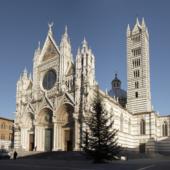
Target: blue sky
(103, 22)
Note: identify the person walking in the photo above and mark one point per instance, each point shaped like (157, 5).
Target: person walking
(15, 155)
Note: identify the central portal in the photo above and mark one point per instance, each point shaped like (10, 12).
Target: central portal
(48, 139)
(44, 130)
(65, 128)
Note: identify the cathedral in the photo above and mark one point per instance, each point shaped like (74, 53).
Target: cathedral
(51, 103)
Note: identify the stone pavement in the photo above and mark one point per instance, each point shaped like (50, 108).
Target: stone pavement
(78, 161)
(47, 164)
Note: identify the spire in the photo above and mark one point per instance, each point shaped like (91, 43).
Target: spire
(128, 30)
(66, 30)
(39, 45)
(78, 51)
(84, 43)
(37, 51)
(137, 22)
(25, 72)
(137, 26)
(65, 38)
(115, 75)
(143, 23)
(30, 77)
(50, 25)
(65, 35)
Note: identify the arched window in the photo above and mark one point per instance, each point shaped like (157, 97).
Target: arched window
(142, 127)
(136, 84)
(165, 129)
(3, 125)
(136, 94)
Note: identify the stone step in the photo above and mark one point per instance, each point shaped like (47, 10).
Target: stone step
(58, 155)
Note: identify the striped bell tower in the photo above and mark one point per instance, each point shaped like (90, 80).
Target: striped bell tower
(138, 69)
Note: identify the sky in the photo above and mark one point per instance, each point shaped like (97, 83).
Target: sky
(103, 22)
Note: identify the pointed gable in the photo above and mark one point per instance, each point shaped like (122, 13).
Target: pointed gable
(137, 27)
(50, 48)
(50, 51)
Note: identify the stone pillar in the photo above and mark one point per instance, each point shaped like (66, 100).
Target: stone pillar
(76, 146)
(17, 138)
(39, 138)
(55, 137)
(58, 142)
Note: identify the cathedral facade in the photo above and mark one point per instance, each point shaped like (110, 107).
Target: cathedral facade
(51, 104)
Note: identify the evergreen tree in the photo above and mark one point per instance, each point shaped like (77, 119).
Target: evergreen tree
(99, 138)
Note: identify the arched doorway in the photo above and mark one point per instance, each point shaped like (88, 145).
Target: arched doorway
(27, 132)
(65, 128)
(44, 130)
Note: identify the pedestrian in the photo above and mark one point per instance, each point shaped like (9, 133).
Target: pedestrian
(15, 155)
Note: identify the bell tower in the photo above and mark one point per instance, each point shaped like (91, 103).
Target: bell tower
(138, 68)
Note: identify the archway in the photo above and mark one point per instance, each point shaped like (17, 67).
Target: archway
(65, 128)
(27, 131)
(44, 130)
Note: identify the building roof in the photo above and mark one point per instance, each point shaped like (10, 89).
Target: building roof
(3, 118)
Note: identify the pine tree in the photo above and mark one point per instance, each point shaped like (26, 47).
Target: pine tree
(99, 138)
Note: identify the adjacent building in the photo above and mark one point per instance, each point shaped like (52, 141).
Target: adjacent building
(6, 133)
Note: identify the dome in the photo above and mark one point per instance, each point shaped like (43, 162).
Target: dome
(116, 83)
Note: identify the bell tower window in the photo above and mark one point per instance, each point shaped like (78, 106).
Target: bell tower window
(136, 94)
(136, 52)
(142, 127)
(136, 85)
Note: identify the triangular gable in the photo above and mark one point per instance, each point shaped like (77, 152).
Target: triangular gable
(136, 28)
(51, 52)
(46, 102)
(68, 98)
(50, 49)
(29, 108)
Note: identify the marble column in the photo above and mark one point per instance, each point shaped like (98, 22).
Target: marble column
(76, 146)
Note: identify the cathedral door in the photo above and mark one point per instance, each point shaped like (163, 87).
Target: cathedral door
(67, 140)
(48, 139)
(31, 142)
(142, 148)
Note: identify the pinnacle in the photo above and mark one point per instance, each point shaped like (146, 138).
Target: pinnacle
(39, 45)
(137, 21)
(128, 29)
(66, 29)
(143, 22)
(25, 70)
(78, 51)
(84, 43)
(50, 25)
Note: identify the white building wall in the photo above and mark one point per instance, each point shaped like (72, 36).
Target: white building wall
(31, 97)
